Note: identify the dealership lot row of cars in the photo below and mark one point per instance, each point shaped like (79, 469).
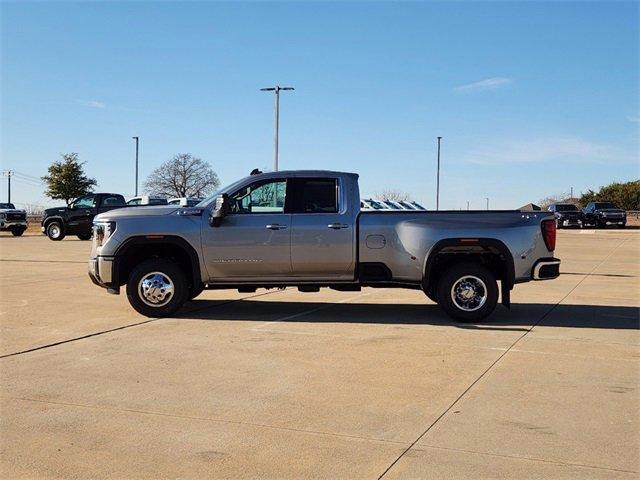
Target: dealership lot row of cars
(595, 214)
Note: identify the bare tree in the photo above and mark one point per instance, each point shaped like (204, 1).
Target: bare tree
(182, 176)
(394, 196)
(559, 198)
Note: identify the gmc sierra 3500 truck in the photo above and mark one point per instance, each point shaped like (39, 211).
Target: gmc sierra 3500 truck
(305, 229)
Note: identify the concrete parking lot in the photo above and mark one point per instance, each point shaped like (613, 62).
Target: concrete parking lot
(282, 384)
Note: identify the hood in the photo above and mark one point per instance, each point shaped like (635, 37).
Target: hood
(138, 211)
(12, 210)
(55, 210)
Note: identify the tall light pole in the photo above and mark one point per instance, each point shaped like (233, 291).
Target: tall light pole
(137, 139)
(438, 178)
(8, 174)
(277, 90)
(487, 199)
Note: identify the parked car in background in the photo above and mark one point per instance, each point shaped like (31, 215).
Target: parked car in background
(12, 219)
(567, 214)
(306, 229)
(603, 214)
(391, 205)
(184, 201)
(77, 218)
(417, 205)
(407, 205)
(147, 200)
(370, 204)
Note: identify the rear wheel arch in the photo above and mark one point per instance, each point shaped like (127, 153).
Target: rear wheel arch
(136, 250)
(489, 252)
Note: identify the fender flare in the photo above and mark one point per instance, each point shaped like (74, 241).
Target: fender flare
(507, 282)
(174, 240)
(48, 220)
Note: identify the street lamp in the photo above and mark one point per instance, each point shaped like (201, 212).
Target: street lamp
(277, 90)
(438, 178)
(137, 139)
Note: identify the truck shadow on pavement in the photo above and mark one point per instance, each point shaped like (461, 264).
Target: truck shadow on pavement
(521, 317)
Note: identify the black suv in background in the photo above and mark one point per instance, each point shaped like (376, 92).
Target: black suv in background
(77, 218)
(603, 214)
(567, 215)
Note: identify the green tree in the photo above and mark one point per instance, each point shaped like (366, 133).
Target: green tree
(66, 179)
(623, 195)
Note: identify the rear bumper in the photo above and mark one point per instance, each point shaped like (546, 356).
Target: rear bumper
(546, 269)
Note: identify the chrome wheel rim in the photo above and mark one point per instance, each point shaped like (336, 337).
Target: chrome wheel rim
(54, 231)
(156, 289)
(469, 293)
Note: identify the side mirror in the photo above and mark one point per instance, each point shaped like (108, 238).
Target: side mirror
(219, 210)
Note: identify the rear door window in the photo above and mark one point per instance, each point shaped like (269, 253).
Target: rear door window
(316, 195)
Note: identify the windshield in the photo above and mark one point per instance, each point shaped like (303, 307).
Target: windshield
(566, 208)
(601, 205)
(7, 206)
(228, 189)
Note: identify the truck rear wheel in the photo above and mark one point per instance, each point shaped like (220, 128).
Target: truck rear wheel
(468, 292)
(157, 288)
(55, 231)
(84, 236)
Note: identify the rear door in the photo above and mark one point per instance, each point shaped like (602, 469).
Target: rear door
(109, 202)
(323, 233)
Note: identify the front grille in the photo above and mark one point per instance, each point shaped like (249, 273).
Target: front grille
(16, 216)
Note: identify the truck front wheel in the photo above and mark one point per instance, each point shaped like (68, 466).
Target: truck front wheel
(157, 288)
(468, 292)
(55, 231)
(17, 231)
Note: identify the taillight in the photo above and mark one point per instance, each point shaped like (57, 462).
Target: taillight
(549, 234)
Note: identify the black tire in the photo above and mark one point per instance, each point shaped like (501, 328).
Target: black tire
(55, 231)
(430, 295)
(17, 232)
(195, 291)
(166, 306)
(84, 236)
(622, 226)
(483, 280)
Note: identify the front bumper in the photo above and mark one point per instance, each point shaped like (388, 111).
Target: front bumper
(546, 269)
(101, 273)
(7, 224)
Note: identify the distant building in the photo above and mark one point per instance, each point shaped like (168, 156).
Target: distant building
(530, 207)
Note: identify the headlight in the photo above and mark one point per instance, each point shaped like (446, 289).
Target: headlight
(102, 231)
(3, 216)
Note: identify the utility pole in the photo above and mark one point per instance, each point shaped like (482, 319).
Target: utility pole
(467, 205)
(438, 178)
(487, 198)
(277, 90)
(8, 174)
(137, 139)
(571, 193)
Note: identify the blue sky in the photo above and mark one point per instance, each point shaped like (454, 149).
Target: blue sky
(531, 98)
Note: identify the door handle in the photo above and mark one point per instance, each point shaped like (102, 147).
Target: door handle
(337, 226)
(275, 226)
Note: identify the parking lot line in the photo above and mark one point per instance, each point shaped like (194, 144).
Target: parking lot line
(490, 367)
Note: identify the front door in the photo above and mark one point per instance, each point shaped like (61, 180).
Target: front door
(253, 240)
(81, 214)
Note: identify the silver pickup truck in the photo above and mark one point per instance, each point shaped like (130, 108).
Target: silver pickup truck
(305, 229)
